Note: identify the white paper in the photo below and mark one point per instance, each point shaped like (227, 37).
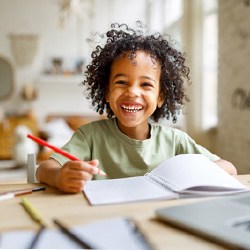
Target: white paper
(183, 174)
(195, 171)
(132, 189)
(49, 239)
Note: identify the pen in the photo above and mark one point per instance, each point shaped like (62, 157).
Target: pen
(34, 214)
(71, 235)
(58, 150)
(12, 194)
(137, 233)
(36, 238)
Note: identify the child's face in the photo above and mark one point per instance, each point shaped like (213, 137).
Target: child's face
(133, 93)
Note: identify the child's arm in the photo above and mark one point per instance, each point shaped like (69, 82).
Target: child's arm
(70, 177)
(227, 166)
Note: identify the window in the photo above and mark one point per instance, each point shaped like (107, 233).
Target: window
(209, 64)
(173, 12)
(193, 25)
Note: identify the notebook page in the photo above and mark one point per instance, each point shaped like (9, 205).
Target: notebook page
(49, 239)
(131, 189)
(193, 170)
(16, 239)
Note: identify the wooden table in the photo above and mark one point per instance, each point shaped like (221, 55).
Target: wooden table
(75, 210)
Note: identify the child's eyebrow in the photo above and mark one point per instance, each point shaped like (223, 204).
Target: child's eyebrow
(148, 78)
(118, 75)
(142, 77)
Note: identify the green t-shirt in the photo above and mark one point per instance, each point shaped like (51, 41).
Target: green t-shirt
(121, 156)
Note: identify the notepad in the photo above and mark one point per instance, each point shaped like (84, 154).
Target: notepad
(186, 174)
(111, 233)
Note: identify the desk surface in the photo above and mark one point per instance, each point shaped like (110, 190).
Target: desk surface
(75, 210)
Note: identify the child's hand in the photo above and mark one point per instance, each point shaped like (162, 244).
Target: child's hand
(72, 176)
(227, 166)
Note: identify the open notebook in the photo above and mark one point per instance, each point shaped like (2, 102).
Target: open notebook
(187, 174)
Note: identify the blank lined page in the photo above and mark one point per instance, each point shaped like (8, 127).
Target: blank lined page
(123, 190)
(193, 170)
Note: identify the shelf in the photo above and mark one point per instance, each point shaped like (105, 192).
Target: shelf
(60, 78)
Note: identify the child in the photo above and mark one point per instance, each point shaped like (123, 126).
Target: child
(132, 78)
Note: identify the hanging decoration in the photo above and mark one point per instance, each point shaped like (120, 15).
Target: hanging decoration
(24, 48)
(68, 8)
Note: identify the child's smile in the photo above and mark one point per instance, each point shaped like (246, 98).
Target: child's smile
(134, 93)
(131, 108)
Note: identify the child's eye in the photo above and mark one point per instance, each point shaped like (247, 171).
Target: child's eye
(147, 84)
(120, 82)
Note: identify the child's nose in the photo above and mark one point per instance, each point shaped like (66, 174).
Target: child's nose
(133, 91)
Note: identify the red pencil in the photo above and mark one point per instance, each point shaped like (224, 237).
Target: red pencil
(58, 150)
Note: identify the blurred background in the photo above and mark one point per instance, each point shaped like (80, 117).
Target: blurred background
(44, 46)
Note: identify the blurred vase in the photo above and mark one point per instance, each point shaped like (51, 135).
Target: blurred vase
(23, 146)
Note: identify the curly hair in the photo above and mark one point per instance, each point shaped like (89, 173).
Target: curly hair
(120, 40)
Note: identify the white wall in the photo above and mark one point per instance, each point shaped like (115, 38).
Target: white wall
(42, 18)
(234, 60)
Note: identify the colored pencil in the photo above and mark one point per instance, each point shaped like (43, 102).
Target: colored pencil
(58, 150)
(15, 193)
(34, 214)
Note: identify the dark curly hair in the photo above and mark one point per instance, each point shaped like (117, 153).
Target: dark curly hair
(120, 40)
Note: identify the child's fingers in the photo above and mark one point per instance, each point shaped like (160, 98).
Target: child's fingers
(94, 162)
(79, 175)
(70, 179)
(74, 175)
(83, 166)
(96, 170)
(74, 186)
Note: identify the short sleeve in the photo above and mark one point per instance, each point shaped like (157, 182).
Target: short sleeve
(187, 145)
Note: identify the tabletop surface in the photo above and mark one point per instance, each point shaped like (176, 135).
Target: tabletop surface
(73, 209)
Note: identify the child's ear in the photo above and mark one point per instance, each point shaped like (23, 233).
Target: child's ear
(160, 101)
(107, 97)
